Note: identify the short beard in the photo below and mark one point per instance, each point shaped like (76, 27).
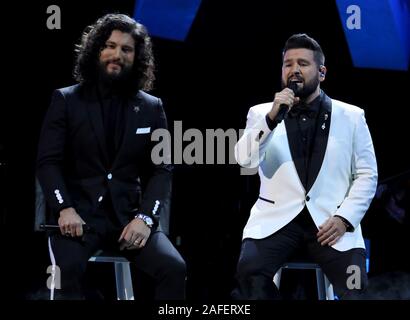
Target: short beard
(306, 90)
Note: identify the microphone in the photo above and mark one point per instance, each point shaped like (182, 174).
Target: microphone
(56, 227)
(283, 108)
(53, 228)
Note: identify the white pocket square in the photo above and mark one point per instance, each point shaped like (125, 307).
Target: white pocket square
(143, 130)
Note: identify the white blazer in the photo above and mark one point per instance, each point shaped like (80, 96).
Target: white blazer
(345, 185)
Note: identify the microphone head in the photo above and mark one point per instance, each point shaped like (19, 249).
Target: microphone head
(293, 85)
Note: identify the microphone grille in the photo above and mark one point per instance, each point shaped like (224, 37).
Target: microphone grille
(293, 85)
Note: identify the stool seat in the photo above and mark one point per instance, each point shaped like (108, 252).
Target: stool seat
(123, 278)
(324, 287)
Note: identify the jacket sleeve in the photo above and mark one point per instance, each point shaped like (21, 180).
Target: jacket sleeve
(250, 149)
(51, 155)
(158, 182)
(364, 175)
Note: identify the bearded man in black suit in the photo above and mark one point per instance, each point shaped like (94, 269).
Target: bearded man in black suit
(94, 160)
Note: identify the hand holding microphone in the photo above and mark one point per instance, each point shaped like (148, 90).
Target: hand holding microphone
(283, 101)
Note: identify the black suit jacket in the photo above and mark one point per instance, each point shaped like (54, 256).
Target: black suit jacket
(72, 157)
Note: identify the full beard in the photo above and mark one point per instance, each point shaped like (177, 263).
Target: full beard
(118, 81)
(304, 91)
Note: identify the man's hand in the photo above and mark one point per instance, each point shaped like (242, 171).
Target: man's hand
(134, 235)
(286, 96)
(70, 223)
(331, 231)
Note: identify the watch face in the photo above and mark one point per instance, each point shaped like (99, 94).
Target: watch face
(149, 221)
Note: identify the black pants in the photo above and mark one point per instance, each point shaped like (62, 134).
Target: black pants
(158, 258)
(260, 259)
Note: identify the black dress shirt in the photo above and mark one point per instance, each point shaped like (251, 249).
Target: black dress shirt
(112, 111)
(305, 116)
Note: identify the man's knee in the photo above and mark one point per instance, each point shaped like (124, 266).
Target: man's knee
(178, 266)
(247, 268)
(175, 267)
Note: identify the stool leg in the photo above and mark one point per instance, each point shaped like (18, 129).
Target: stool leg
(276, 278)
(123, 281)
(329, 289)
(320, 281)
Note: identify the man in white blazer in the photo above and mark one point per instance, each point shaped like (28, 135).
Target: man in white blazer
(318, 175)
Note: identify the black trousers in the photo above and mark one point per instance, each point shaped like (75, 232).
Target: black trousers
(260, 259)
(158, 258)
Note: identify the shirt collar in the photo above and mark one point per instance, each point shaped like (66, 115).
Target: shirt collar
(311, 109)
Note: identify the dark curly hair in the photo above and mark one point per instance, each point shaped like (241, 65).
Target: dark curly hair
(93, 41)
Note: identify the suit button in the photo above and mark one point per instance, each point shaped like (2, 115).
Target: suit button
(109, 176)
(307, 198)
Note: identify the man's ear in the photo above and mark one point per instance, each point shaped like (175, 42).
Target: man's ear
(322, 72)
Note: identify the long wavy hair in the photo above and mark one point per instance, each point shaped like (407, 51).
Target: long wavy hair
(93, 41)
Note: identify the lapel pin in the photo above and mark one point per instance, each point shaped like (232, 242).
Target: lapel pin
(324, 123)
(136, 109)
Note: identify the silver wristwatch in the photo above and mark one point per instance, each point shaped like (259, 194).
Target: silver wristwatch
(148, 221)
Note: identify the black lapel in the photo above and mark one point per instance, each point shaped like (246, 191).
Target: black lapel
(292, 133)
(322, 136)
(132, 116)
(95, 116)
